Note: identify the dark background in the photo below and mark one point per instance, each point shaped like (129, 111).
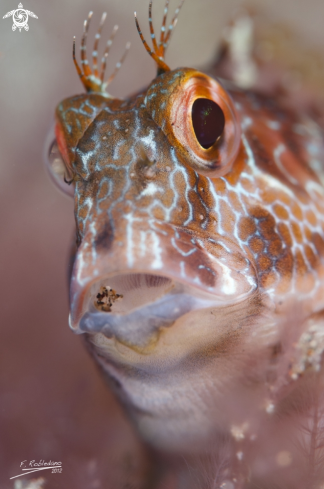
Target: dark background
(53, 404)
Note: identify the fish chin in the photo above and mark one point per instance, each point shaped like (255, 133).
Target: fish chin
(170, 349)
(175, 363)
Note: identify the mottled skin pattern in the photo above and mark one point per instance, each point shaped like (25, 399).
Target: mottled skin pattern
(248, 240)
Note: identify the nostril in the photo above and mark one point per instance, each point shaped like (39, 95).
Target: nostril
(123, 293)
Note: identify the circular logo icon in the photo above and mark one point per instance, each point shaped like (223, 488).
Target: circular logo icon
(20, 19)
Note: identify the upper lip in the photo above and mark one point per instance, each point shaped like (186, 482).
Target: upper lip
(218, 283)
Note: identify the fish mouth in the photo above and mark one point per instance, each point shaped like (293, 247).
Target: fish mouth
(132, 297)
(134, 307)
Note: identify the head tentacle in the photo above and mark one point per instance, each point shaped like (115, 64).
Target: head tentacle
(96, 44)
(106, 53)
(159, 49)
(118, 66)
(92, 79)
(172, 25)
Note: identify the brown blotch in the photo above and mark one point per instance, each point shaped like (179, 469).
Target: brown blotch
(256, 244)
(318, 243)
(285, 264)
(247, 227)
(311, 218)
(267, 227)
(280, 212)
(275, 247)
(220, 186)
(297, 232)
(264, 263)
(258, 212)
(158, 213)
(297, 212)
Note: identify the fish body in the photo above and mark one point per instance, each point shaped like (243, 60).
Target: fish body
(198, 280)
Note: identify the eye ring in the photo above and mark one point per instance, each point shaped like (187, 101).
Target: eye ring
(185, 87)
(217, 160)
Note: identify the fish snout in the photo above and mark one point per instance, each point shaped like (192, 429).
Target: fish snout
(136, 282)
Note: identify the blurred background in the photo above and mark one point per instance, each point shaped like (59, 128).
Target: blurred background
(53, 404)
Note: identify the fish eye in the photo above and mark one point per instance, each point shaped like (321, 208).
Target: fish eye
(199, 118)
(56, 167)
(208, 121)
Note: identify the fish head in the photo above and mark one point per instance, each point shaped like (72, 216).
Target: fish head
(142, 202)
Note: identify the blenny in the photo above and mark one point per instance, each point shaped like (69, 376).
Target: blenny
(198, 278)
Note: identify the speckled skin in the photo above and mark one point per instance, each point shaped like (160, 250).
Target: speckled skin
(249, 236)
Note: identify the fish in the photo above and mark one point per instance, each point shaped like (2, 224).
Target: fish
(198, 274)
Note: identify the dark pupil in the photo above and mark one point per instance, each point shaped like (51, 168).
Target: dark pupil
(208, 121)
